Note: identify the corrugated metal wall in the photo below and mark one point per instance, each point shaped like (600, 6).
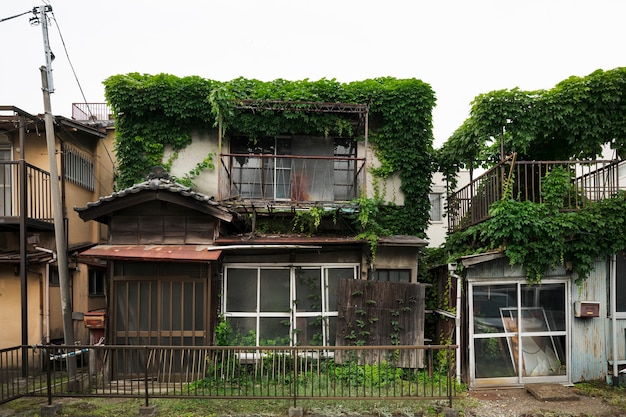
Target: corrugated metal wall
(591, 337)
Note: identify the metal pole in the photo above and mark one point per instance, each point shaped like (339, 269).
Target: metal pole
(23, 213)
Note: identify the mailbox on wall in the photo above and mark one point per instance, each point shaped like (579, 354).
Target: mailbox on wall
(94, 320)
(587, 309)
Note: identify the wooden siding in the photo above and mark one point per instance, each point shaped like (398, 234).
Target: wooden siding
(381, 313)
(161, 223)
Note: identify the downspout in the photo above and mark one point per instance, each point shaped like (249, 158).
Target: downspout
(47, 290)
(457, 319)
(614, 320)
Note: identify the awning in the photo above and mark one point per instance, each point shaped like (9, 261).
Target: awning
(172, 253)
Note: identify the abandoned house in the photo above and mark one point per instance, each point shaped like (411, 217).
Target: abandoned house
(244, 248)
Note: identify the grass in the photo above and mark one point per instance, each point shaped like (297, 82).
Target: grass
(108, 407)
(116, 407)
(613, 395)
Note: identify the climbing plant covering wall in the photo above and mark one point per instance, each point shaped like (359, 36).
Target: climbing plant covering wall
(155, 111)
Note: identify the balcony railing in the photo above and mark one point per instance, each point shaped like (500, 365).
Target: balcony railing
(91, 111)
(22, 182)
(290, 178)
(589, 181)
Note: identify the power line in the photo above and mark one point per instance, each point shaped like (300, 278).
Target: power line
(82, 93)
(17, 15)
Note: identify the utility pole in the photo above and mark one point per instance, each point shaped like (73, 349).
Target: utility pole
(47, 87)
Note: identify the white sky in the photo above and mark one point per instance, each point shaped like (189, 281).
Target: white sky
(460, 47)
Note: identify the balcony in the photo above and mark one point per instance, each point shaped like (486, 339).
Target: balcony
(25, 193)
(91, 112)
(290, 179)
(590, 181)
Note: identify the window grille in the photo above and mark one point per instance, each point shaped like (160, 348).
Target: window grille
(79, 168)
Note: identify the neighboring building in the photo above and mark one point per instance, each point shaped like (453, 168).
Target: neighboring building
(512, 332)
(178, 259)
(438, 228)
(29, 279)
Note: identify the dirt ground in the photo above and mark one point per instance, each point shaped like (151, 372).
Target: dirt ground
(518, 402)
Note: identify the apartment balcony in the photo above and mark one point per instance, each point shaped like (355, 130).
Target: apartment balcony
(274, 180)
(24, 196)
(91, 112)
(590, 181)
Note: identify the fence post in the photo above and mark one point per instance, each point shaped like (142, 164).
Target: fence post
(47, 361)
(295, 376)
(450, 379)
(145, 374)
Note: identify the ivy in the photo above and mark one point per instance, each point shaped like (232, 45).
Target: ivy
(572, 120)
(158, 111)
(539, 236)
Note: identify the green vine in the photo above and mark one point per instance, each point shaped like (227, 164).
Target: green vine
(540, 236)
(155, 111)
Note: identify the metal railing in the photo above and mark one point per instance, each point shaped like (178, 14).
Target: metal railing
(290, 178)
(18, 179)
(91, 111)
(218, 372)
(589, 181)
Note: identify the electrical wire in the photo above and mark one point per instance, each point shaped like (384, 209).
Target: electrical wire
(76, 77)
(82, 93)
(17, 15)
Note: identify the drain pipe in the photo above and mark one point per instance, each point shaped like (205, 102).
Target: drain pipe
(457, 319)
(614, 320)
(47, 289)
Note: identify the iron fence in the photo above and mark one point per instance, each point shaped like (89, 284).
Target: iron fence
(218, 372)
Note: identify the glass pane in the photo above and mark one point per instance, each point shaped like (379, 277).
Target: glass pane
(243, 331)
(540, 356)
(274, 331)
(333, 275)
(166, 306)
(154, 309)
(133, 306)
(309, 331)
(241, 289)
(545, 302)
(122, 304)
(199, 306)
(275, 290)
(144, 303)
(493, 358)
(308, 291)
(176, 307)
(487, 302)
(188, 306)
(331, 331)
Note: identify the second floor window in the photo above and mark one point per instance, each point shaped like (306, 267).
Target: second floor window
(299, 168)
(435, 207)
(79, 168)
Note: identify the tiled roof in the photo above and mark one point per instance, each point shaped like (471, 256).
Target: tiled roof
(157, 180)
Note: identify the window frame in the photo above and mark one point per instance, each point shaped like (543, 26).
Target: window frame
(96, 274)
(79, 167)
(325, 312)
(619, 274)
(439, 212)
(376, 274)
